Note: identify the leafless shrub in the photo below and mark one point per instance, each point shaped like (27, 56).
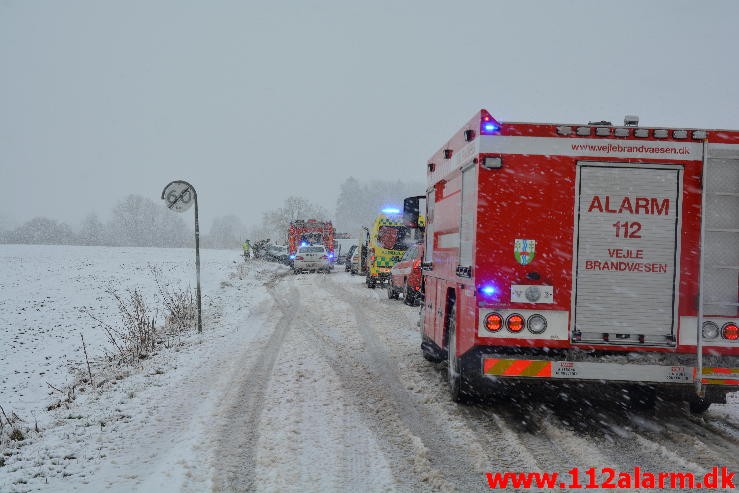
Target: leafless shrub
(13, 423)
(180, 309)
(136, 336)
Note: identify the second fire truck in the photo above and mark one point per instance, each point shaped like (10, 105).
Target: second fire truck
(584, 254)
(310, 232)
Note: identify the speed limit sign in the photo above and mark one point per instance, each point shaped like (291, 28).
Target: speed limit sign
(179, 196)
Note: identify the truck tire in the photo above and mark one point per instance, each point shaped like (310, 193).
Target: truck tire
(409, 296)
(392, 294)
(370, 282)
(459, 388)
(698, 405)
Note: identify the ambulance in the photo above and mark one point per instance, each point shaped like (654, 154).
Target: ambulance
(387, 240)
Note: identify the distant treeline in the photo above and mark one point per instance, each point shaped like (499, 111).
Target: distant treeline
(139, 221)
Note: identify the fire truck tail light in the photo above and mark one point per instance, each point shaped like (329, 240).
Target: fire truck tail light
(515, 323)
(493, 322)
(730, 331)
(699, 134)
(536, 324)
(299, 258)
(492, 162)
(710, 330)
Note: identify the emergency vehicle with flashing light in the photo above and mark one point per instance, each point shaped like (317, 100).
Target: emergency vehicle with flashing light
(310, 232)
(388, 239)
(584, 254)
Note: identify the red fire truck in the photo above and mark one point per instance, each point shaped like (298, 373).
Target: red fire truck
(310, 232)
(576, 254)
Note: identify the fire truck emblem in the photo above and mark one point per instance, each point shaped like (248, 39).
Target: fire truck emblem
(524, 251)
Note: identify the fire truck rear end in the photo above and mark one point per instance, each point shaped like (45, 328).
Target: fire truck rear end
(310, 232)
(584, 254)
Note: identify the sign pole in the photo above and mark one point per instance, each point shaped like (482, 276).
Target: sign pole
(197, 259)
(179, 196)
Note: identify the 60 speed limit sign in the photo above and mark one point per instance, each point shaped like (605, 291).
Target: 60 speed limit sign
(178, 195)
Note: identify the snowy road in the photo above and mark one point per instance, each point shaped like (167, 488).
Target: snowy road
(315, 383)
(339, 399)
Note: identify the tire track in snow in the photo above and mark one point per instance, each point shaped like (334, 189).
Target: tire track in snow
(459, 462)
(235, 458)
(346, 355)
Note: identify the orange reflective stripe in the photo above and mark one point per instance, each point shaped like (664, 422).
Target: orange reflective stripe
(488, 364)
(546, 369)
(714, 381)
(517, 367)
(721, 371)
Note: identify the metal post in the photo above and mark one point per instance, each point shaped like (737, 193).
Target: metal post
(197, 258)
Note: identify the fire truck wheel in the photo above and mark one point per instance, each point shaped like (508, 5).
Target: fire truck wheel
(391, 293)
(698, 405)
(458, 385)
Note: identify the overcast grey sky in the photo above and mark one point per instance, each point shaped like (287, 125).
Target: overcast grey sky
(256, 101)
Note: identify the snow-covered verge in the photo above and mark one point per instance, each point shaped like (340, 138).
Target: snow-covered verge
(315, 383)
(47, 291)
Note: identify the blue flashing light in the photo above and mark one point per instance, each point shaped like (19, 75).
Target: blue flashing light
(489, 128)
(390, 210)
(304, 244)
(330, 255)
(488, 290)
(292, 257)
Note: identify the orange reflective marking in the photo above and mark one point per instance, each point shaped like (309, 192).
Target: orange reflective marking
(517, 367)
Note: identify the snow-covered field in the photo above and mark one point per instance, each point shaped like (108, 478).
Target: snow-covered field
(47, 292)
(298, 383)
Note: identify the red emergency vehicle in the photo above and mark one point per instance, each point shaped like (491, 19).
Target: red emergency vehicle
(310, 232)
(585, 253)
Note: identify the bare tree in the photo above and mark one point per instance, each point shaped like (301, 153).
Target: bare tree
(92, 231)
(276, 223)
